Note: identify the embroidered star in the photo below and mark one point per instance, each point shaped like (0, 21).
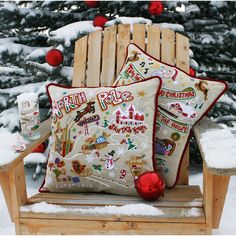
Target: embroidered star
(120, 152)
(89, 158)
(146, 114)
(124, 104)
(74, 130)
(141, 93)
(107, 112)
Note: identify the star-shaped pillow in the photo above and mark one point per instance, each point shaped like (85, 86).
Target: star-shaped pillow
(183, 101)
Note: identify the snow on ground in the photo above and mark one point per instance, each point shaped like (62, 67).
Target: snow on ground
(227, 225)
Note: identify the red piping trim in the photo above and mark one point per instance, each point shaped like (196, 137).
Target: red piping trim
(154, 117)
(223, 82)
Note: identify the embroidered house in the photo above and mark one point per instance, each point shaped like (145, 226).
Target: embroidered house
(129, 117)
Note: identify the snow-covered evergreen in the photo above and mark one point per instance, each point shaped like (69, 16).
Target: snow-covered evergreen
(29, 29)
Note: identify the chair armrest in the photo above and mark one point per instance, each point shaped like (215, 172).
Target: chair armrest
(45, 131)
(217, 147)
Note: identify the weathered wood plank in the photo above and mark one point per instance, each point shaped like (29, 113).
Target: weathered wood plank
(168, 46)
(94, 58)
(139, 31)
(182, 62)
(45, 131)
(123, 40)
(4, 183)
(153, 41)
(188, 198)
(182, 52)
(108, 56)
(65, 227)
(80, 62)
(220, 188)
(207, 197)
(170, 214)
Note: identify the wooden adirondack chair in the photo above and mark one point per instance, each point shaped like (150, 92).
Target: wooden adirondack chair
(98, 59)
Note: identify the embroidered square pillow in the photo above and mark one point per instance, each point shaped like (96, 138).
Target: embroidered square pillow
(183, 101)
(102, 138)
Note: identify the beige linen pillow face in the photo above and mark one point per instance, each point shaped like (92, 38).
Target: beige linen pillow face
(183, 101)
(102, 138)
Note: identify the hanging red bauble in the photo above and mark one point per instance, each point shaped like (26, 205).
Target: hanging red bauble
(54, 57)
(150, 185)
(192, 72)
(155, 8)
(91, 4)
(100, 21)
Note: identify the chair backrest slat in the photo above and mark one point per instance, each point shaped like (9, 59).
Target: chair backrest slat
(153, 41)
(94, 58)
(168, 46)
(108, 56)
(100, 56)
(182, 62)
(80, 62)
(139, 36)
(182, 52)
(123, 40)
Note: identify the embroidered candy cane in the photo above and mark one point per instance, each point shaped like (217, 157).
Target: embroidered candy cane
(123, 174)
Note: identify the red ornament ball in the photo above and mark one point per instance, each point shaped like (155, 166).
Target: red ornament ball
(41, 148)
(100, 21)
(54, 57)
(192, 72)
(155, 8)
(150, 185)
(91, 4)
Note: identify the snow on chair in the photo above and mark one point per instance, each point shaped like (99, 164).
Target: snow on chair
(184, 209)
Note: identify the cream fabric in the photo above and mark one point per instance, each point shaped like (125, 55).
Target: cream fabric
(102, 137)
(183, 101)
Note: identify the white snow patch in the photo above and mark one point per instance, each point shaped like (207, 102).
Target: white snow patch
(13, 49)
(129, 20)
(7, 154)
(35, 158)
(193, 212)
(9, 118)
(71, 32)
(219, 147)
(130, 209)
(175, 27)
(233, 32)
(218, 3)
(39, 52)
(28, 88)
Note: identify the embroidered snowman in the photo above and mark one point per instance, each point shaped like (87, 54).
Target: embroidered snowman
(110, 162)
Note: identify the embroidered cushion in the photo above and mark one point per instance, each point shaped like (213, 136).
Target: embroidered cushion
(183, 101)
(102, 138)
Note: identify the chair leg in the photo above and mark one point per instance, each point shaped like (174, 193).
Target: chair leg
(214, 191)
(207, 197)
(220, 187)
(14, 190)
(4, 182)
